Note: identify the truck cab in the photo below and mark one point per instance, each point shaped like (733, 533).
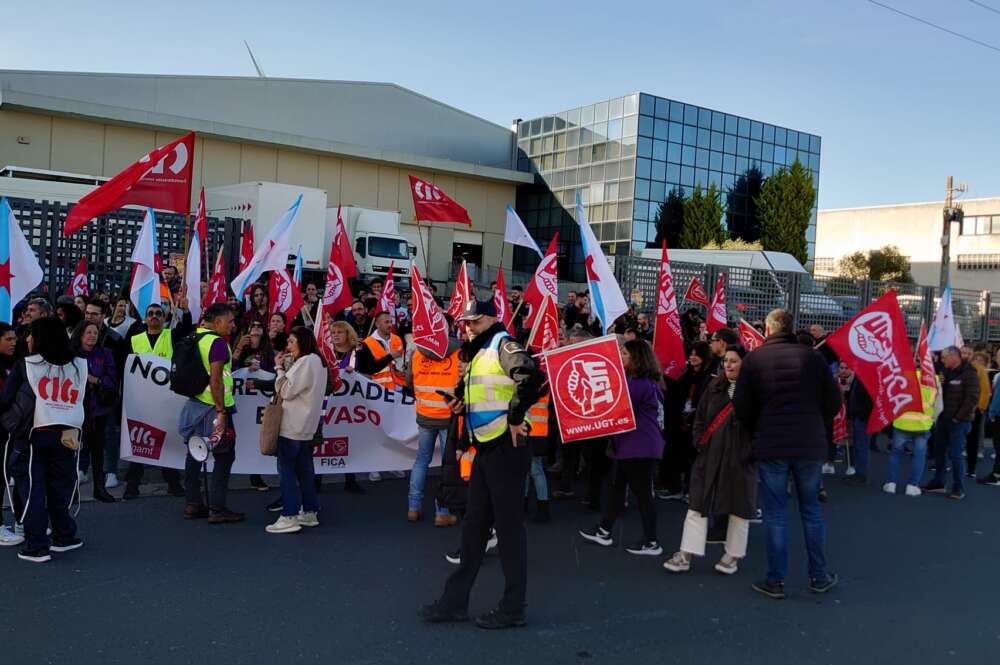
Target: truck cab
(376, 240)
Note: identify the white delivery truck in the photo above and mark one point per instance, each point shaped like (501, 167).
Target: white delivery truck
(376, 240)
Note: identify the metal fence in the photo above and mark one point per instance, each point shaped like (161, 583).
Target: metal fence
(108, 240)
(828, 301)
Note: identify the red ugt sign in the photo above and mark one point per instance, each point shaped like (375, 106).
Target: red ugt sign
(589, 390)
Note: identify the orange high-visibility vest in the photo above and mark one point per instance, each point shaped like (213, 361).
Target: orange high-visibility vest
(538, 417)
(384, 377)
(431, 375)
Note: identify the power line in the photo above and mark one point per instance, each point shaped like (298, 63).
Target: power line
(938, 27)
(985, 6)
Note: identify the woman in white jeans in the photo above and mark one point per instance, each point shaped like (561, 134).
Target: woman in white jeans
(723, 479)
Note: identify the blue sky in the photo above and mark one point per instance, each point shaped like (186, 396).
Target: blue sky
(899, 105)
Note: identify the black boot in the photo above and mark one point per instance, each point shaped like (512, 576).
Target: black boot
(542, 513)
(101, 494)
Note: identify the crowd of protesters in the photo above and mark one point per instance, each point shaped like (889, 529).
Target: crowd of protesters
(733, 437)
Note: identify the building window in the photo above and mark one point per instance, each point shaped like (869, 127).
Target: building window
(824, 266)
(981, 225)
(979, 261)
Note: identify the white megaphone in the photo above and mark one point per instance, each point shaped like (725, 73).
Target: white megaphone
(198, 448)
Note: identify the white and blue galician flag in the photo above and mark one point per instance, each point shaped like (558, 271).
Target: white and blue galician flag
(145, 288)
(515, 232)
(944, 329)
(297, 274)
(19, 269)
(192, 265)
(272, 254)
(606, 299)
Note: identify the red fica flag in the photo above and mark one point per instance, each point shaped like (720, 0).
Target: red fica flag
(668, 341)
(430, 329)
(284, 296)
(430, 204)
(161, 180)
(874, 345)
(336, 295)
(750, 337)
(545, 282)
(925, 359)
(717, 316)
(545, 331)
(589, 390)
(461, 295)
(78, 284)
(386, 302)
(345, 255)
(216, 284)
(501, 303)
(696, 292)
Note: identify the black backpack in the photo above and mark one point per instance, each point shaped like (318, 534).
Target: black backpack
(188, 375)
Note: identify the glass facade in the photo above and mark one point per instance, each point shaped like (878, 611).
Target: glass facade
(624, 155)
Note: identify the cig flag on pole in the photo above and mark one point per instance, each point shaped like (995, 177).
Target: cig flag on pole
(19, 269)
(516, 234)
(145, 288)
(272, 253)
(606, 297)
(430, 204)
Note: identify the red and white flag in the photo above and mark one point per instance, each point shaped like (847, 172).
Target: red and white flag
(430, 329)
(874, 344)
(78, 284)
(545, 331)
(668, 341)
(750, 337)
(246, 252)
(386, 303)
(461, 294)
(718, 318)
(284, 296)
(345, 256)
(430, 204)
(216, 284)
(696, 292)
(501, 303)
(161, 180)
(840, 424)
(925, 360)
(336, 295)
(544, 283)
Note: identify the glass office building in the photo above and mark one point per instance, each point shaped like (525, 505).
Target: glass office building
(624, 155)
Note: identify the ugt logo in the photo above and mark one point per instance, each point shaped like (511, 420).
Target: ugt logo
(333, 446)
(147, 441)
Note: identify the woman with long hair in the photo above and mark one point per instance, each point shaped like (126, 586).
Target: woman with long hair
(100, 399)
(301, 383)
(723, 477)
(44, 400)
(682, 400)
(636, 453)
(254, 350)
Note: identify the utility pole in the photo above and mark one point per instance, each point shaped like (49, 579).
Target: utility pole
(951, 213)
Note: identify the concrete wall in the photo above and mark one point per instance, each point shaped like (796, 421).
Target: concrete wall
(94, 148)
(916, 230)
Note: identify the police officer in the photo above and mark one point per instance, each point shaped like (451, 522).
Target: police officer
(499, 385)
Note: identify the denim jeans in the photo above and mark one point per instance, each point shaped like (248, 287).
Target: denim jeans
(860, 441)
(918, 440)
(538, 477)
(297, 473)
(426, 439)
(949, 439)
(774, 500)
(197, 420)
(113, 447)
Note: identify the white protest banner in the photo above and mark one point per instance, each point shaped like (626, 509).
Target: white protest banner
(365, 427)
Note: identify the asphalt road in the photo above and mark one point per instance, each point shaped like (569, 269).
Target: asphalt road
(918, 585)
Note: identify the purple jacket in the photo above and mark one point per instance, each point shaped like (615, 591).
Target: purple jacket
(646, 440)
(101, 365)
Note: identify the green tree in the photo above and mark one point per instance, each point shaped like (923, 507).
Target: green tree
(879, 265)
(702, 219)
(784, 208)
(854, 266)
(670, 219)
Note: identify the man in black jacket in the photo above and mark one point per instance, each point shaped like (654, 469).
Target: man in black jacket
(501, 382)
(960, 393)
(787, 398)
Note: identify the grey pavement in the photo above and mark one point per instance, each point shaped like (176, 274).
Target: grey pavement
(918, 585)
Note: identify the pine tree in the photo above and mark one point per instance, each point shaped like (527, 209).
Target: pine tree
(784, 208)
(670, 219)
(702, 219)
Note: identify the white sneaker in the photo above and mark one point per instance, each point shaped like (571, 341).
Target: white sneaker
(110, 480)
(374, 476)
(308, 519)
(850, 471)
(829, 469)
(284, 524)
(84, 477)
(889, 488)
(492, 542)
(398, 474)
(913, 490)
(10, 537)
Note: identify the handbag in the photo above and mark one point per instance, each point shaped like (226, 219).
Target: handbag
(270, 426)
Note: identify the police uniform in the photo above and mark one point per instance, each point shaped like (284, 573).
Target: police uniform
(501, 383)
